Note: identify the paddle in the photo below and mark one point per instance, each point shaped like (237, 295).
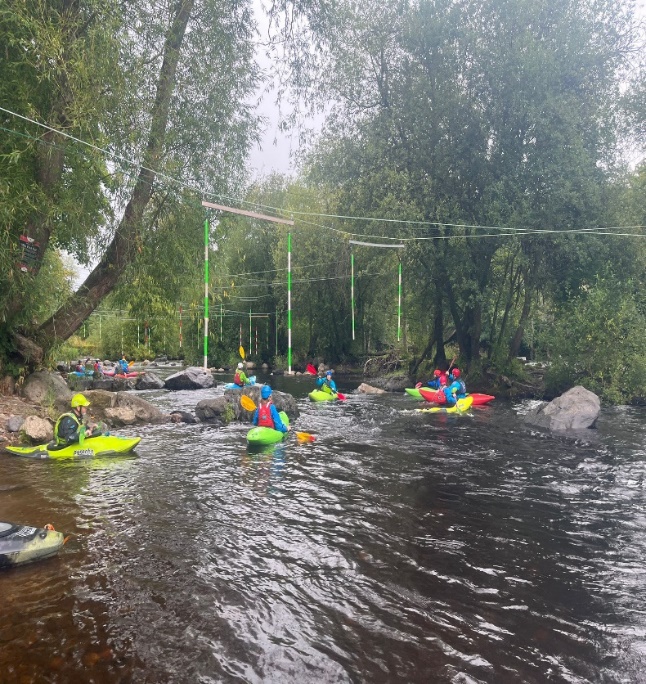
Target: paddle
(248, 404)
(310, 369)
(82, 431)
(241, 352)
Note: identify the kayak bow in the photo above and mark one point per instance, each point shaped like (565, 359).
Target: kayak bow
(21, 544)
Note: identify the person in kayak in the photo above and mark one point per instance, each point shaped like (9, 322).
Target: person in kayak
(458, 383)
(266, 415)
(68, 427)
(326, 383)
(440, 379)
(240, 377)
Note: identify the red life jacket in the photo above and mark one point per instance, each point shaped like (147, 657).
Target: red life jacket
(440, 397)
(236, 379)
(264, 416)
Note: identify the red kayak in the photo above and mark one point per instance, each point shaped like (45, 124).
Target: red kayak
(478, 399)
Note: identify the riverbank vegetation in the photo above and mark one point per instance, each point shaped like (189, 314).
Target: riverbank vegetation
(489, 150)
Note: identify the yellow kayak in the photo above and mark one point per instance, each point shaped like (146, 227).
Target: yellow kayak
(461, 406)
(92, 447)
(21, 544)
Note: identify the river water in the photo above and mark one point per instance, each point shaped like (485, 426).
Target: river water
(398, 547)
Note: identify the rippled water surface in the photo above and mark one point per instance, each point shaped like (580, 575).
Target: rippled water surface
(398, 547)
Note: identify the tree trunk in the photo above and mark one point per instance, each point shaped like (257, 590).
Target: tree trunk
(121, 250)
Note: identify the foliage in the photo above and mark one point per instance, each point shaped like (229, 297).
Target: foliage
(597, 342)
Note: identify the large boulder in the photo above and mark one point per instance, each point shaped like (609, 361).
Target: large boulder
(282, 401)
(45, 388)
(148, 381)
(217, 411)
(190, 378)
(576, 409)
(144, 411)
(392, 383)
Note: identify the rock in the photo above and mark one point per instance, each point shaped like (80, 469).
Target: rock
(190, 378)
(183, 417)
(144, 411)
(282, 401)
(14, 423)
(278, 371)
(392, 383)
(106, 384)
(7, 386)
(123, 384)
(38, 430)
(120, 416)
(76, 383)
(44, 388)
(218, 410)
(265, 366)
(576, 409)
(369, 389)
(148, 381)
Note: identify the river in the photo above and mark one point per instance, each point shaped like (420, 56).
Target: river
(398, 547)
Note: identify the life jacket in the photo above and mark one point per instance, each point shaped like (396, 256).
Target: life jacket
(237, 380)
(74, 417)
(440, 397)
(264, 416)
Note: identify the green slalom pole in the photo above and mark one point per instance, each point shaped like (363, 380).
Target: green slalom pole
(399, 305)
(289, 303)
(206, 292)
(352, 289)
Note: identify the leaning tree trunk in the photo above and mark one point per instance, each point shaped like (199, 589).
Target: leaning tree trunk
(102, 280)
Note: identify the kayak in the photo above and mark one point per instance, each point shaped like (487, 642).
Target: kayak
(130, 374)
(320, 395)
(478, 399)
(266, 435)
(21, 544)
(413, 392)
(232, 385)
(461, 406)
(105, 445)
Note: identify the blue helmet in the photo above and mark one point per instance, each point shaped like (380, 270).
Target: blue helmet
(329, 372)
(265, 392)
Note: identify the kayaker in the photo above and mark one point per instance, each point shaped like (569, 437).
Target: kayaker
(326, 382)
(240, 377)
(266, 415)
(458, 383)
(440, 379)
(68, 426)
(123, 365)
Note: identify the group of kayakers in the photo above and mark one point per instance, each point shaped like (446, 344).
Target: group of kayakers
(449, 385)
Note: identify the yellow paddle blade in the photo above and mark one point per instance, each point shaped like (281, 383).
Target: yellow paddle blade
(305, 437)
(241, 352)
(247, 403)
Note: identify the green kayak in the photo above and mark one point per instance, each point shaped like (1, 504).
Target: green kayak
(105, 445)
(266, 435)
(21, 544)
(413, 392)
(320, 395)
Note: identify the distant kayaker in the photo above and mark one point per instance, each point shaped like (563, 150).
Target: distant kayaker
(266, 415)
(123, 366)
(439, 380)
(68, 427)
(326, 382)
(240, 377)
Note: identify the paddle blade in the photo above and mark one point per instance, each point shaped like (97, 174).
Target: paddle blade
(305, 437)
(418, 385)
(247, 403)
(311, 369)
(241, 352)
(340, 397)
(82, 434)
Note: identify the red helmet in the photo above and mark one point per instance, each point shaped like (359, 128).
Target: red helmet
(437, 373)
(456, 372)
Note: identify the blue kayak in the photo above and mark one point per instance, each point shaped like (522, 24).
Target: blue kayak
(232, 385)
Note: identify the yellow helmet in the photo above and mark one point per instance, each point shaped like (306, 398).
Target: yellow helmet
(79, 400)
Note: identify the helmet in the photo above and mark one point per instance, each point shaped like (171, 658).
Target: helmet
(456, 373)
(437, 373)
(240, 365)
(265, 392)
(79, 400)
(329, 371)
